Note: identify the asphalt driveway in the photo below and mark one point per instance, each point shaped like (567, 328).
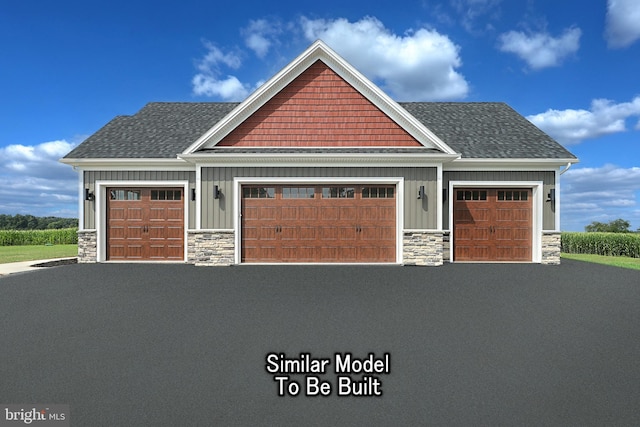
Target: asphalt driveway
(468, 344)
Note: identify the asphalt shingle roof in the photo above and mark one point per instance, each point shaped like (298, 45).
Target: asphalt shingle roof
(476, 130)
(159, 130)
(486, 130)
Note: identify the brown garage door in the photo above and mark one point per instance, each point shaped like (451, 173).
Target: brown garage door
(492, 224)
(145, 224)
(329, 223)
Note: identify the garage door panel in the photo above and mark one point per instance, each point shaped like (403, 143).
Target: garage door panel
(328, 233)
(347, 233)
(328, 213)
(135, 214)
(299, 253)
(267, 233)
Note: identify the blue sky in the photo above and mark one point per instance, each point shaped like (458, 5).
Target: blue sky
(571, 67)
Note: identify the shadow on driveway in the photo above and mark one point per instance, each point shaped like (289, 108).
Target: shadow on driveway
(469, 344)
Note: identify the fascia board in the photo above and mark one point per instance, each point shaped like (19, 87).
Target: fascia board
(318, 51)
(150, 163)
(467, 164)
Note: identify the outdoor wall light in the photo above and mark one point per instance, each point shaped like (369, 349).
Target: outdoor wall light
(421, 193)
(444, 194)
(551, 197)
(88, 195)
(216, 192)
(193, 194)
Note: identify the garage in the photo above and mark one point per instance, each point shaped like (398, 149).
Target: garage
(145, 224)
(492, 224)
(340, 223)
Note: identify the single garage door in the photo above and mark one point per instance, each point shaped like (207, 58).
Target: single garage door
(492, 224)
(145, 224)
(324, 224)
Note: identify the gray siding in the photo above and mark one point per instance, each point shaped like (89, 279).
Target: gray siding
(418, 214)
(547, 177)
(90, 177)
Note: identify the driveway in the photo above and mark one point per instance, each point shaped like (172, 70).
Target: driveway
(468, 344)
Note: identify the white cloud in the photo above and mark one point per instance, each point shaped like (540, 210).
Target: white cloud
(541, 50)
(260, 35)
(419, 65)
(208, 82)
(623, 22)
(600, 194)
(34, 182)
(572, 126)
(472, 11)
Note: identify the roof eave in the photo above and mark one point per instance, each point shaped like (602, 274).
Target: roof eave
(476, 163)
(123, 162)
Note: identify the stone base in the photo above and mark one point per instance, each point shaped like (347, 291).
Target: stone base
(209, 247)
(422, 248)
(551, 248)
(87, 246)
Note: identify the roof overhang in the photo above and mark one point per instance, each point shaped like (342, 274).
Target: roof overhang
(319, 51)
(138, 164)
(503, 164)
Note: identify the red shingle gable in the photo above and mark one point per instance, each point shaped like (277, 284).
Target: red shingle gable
(318, 109)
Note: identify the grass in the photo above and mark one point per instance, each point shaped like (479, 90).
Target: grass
(30, 253)
(615, 261)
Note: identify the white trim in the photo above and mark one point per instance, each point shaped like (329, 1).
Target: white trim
(439, 201)
(128, 164)
(319, 51)
(319, 159)
(80, 200)
(237, 206)
(537, 188)
(464, 164)
(556, 221)
(101, 214)
(198, 223)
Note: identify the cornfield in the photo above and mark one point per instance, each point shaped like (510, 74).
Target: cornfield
(608, 244)
(64, 236)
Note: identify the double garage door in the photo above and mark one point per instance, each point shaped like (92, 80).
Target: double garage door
(145, 224)
(492, 224)
(318, 223)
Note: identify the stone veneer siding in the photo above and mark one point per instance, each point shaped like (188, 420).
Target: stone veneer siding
(550, 248)
(87, 246)
(422, 248)
(209, 247)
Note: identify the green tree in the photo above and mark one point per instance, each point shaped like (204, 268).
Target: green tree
(616, 226)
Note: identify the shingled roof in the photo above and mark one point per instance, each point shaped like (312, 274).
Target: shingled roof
(476, 130)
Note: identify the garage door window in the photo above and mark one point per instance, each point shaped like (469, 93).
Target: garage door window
(297, 192)
(515, 195)
(124, 194)
(166, 195)
(377, 192)
(338, 192)
(471, 195)
(258, 192)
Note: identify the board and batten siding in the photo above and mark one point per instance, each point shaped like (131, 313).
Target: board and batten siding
(547, 177)
(418, 214)
(90, 178)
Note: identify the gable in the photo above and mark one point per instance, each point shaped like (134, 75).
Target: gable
(318, 109)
